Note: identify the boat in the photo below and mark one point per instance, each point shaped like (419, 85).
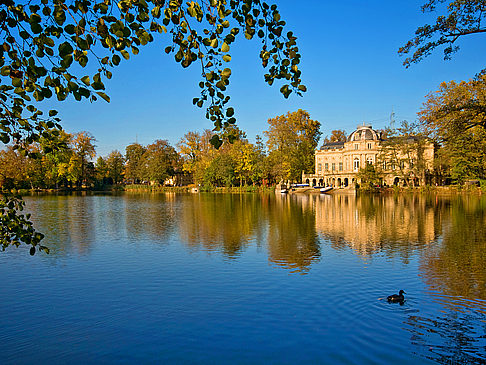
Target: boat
(325, 190)
(283, 189)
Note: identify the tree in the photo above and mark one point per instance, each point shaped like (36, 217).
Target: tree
(43, 45)
(458, 18)
(159, 161)
(190, 148)
(292, 140)
(56, 157)
(101, 170)
(43, 42)
(369, 177)
(455, 108)
(403, 151)
(115, 164)
(133, 157)
(337, 135)
(12, 168)
(455, 117)
(84, 150)
(220, 172)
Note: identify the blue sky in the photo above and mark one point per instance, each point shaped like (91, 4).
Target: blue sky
(350, 66)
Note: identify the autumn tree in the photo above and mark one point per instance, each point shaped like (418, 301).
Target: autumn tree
(337, 135)
(12, 168)
(190, 149)
(56, 156)
(455, 117)
(402, 151)
(47, 44)
(84, 150)
(455, 108)
(292, 139)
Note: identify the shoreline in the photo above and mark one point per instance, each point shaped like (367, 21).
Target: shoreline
(438, 190)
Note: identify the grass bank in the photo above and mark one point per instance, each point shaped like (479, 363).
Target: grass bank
(203, 189)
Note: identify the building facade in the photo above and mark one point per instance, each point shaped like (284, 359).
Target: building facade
(337, 164)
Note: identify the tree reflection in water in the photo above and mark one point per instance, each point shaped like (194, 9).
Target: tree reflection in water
(220, 222)
(292, 238)
(454, 270)
(227, 223)
(449, 235)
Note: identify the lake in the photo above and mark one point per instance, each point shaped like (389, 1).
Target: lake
(248, 279)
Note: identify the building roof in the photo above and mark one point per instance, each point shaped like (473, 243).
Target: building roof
(332, 145)
(364, 132)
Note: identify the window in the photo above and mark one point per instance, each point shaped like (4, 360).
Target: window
(369, 146)
(411, 163)
(333, 166)
(356, 146)
(369, 161)
(319, 167)
(326, 166)
(340, 166)
(384, 165)
(356, 164)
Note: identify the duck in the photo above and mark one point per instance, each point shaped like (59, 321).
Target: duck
(396, 298)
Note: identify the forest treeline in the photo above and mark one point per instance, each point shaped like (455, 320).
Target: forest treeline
(288, 149)
(451, 117)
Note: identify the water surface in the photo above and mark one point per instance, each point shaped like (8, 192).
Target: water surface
(229, 278)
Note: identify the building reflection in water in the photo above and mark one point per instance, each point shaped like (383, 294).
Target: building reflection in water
(449, 235)
(375, 223)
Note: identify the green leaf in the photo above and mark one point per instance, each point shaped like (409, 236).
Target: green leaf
(225, 47)
(125, 54)
(230, 112)
(226, 58)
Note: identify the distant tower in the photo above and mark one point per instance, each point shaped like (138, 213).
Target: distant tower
(392, 119)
